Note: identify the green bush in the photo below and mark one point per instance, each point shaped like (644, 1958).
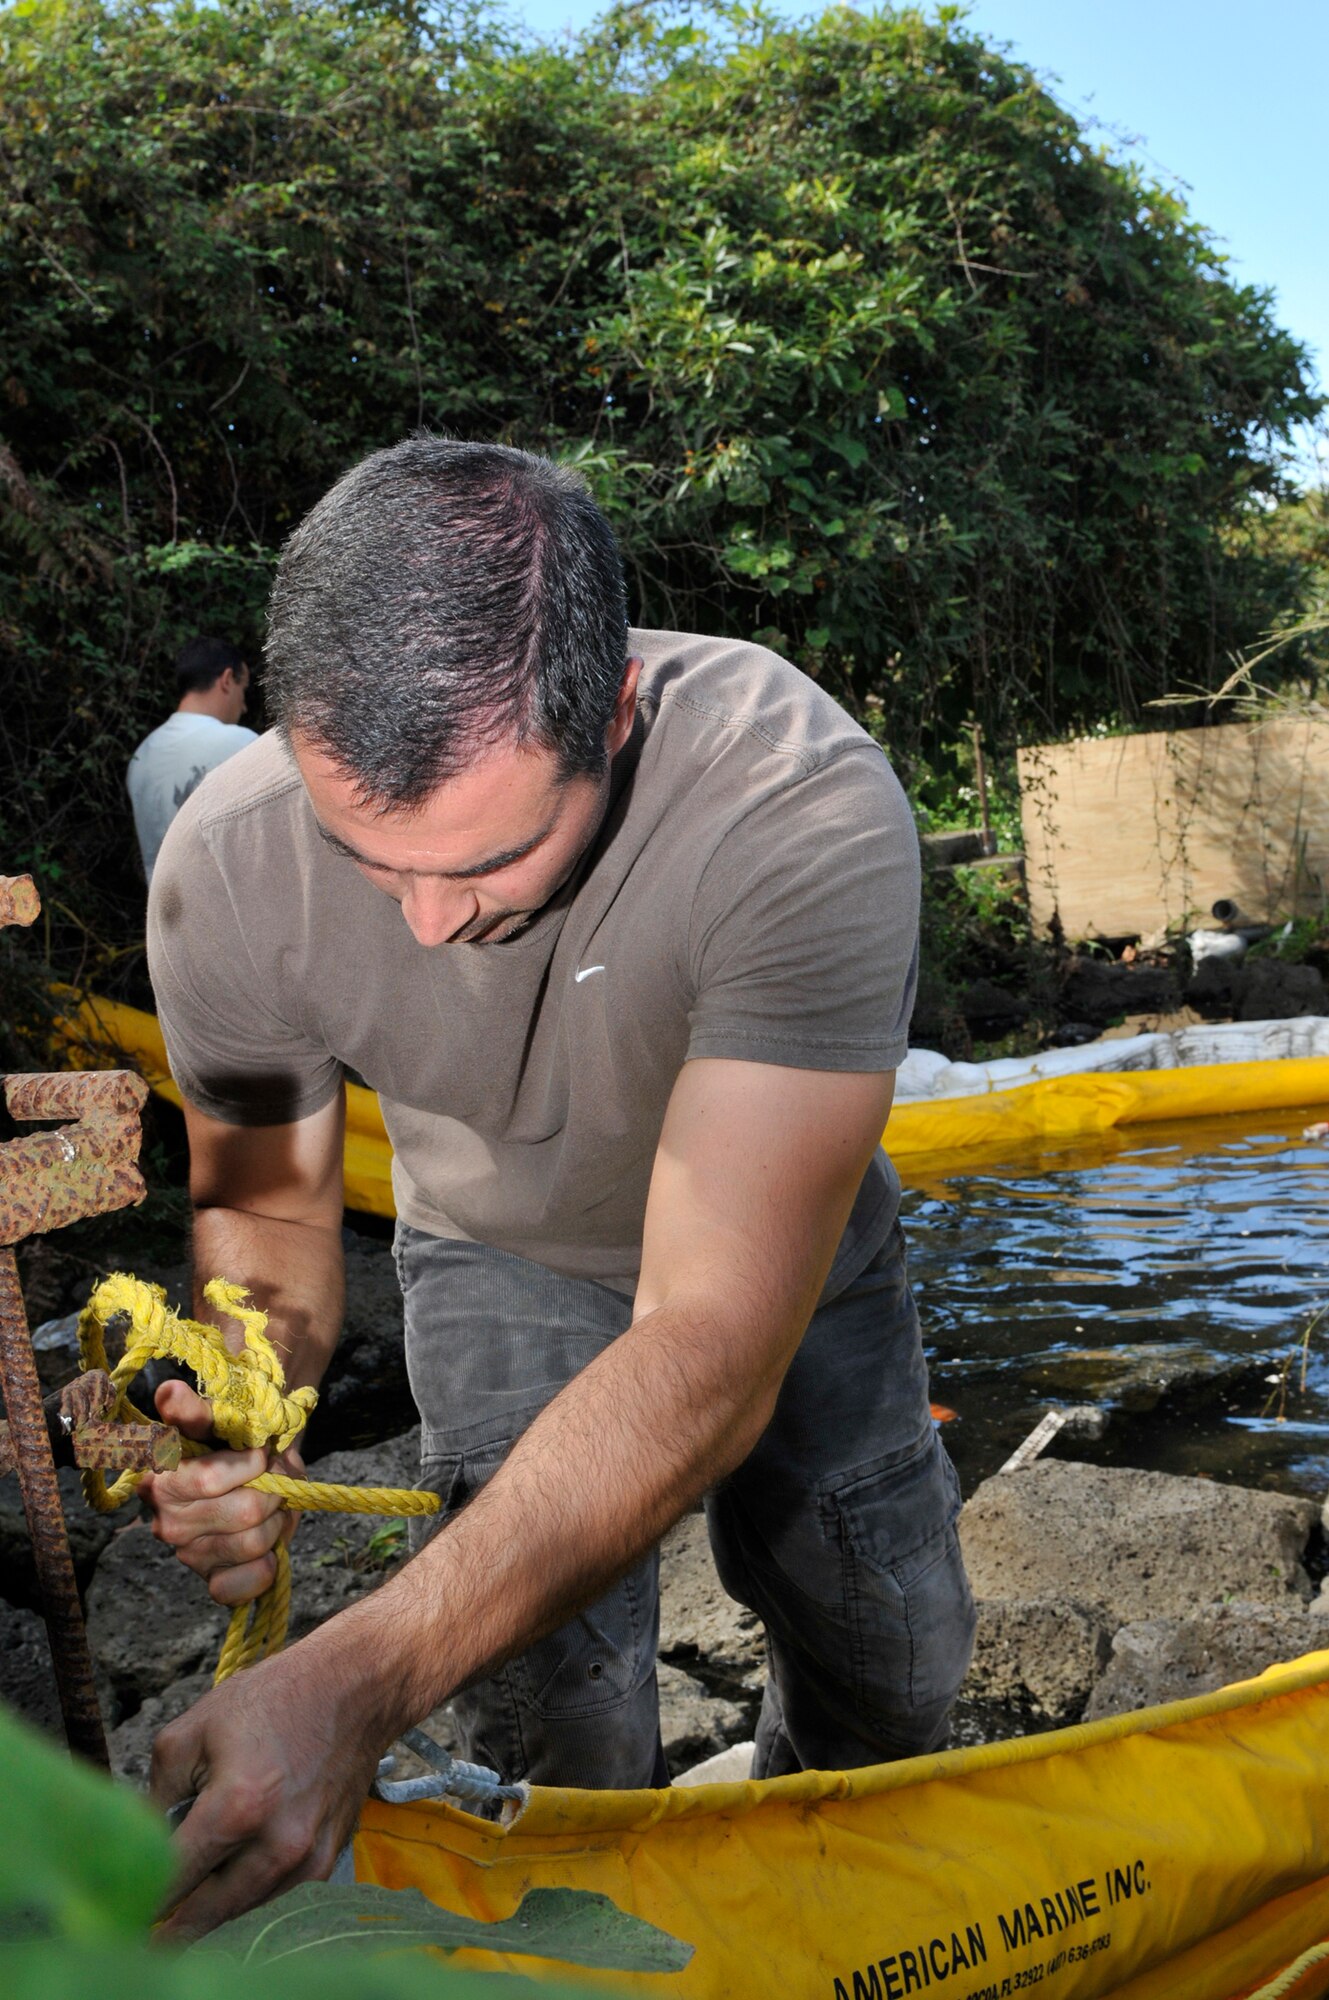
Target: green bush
(864, 346)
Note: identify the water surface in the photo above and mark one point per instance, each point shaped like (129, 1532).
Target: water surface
(1166, 1274)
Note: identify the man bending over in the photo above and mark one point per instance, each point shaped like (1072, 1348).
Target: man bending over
(621, 926)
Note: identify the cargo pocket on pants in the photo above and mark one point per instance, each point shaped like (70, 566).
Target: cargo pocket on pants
(599, 1659)
(910, 1608)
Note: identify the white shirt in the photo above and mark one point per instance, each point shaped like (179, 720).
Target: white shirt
(172, 763)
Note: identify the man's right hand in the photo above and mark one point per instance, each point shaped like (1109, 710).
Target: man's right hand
(218, 1525)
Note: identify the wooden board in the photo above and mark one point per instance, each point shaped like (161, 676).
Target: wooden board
(1126, 835)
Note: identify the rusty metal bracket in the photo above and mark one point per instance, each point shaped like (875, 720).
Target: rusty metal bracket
(47, 1179)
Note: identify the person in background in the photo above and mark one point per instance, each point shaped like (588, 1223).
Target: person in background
(212, 681)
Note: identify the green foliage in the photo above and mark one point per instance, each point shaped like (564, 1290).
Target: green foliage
(1301, 941)
(383, 1546)
(86, 1865)
(81, 1859)
(60, 1971)
(862, 344)
(569, 1924)
(945, 800)
(975, 925)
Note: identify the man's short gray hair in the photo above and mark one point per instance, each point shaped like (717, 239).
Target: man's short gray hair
(441, 598)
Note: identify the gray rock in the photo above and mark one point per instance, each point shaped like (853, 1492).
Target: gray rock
(698, 1619)
(151, 1621)
(1134, 1545)
(727, 1767)
(131, 1744)
(1038, 1655)
(1264, 989)
(336, 1558)
(1269, 990)
(1170, 1659)
(1131, 1377)
(88, 1535)
(985, 1005)
(1098, 991)
(27, 1678)
(694, 1723)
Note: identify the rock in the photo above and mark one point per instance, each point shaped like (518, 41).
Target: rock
(693, 1723)
(727, 1767)
(1269, 990)
(1213, 989)
(1264, 989)
(1135, 1545)
(88, 1535)
(1040, 1654)
(27, 1678)
(1072, 1035)
(698, 1619)
(131, 1744)
(1170, 1659)
(365, 1395)
(336, 1558)
(151, 1621)
(1132, 1377)
(987, 1006)
(1099, 992)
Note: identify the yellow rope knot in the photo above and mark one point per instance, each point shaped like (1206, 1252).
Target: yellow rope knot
(250, 1408)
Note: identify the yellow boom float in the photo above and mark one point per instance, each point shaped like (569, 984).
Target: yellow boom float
(1179, 1853)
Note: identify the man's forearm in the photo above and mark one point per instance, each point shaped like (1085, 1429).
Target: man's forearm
(602, 1473)
(294, 1271)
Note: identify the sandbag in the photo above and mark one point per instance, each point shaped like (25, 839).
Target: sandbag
(1179, 1853)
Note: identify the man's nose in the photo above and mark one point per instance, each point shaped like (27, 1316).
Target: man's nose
(435, 909)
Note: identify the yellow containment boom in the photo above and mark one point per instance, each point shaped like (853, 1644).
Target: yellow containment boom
(1179, 1853)
(1066, 1110)
(927, 1137)
(97, 1027)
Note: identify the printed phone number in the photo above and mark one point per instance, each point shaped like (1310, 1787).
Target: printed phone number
(1019, 1982)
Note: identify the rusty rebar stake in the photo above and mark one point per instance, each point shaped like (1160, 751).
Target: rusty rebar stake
(46, 1523)
(87, 1167)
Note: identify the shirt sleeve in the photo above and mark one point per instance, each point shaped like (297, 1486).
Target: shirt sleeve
(804, 939)
(232, 1053)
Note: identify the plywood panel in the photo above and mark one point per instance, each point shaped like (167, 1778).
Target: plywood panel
(1129, 834)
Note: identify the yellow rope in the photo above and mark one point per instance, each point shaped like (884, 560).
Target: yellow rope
(1292, 1974)
(250, 1407)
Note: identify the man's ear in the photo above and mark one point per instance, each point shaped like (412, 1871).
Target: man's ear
(625, 709)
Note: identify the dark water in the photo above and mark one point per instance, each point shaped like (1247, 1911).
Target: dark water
(1165, 1284)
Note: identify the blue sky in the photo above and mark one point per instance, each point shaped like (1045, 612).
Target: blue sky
(1225, 97)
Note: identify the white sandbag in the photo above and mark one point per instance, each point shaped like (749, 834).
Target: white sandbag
(925, 1074)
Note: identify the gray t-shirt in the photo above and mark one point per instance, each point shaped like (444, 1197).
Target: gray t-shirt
(752, 894)
(169, 766)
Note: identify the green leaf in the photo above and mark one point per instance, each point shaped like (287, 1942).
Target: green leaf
(117, 1971)
(570, 1924)
(80, 1857)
